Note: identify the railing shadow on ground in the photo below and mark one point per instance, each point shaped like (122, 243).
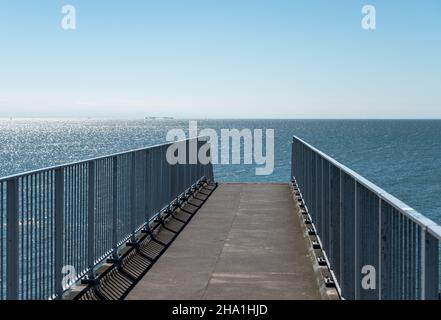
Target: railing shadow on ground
(116, 280)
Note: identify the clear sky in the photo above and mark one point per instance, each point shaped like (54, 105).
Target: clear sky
(220, 58)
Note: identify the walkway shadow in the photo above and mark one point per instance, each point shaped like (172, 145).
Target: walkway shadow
(118, 279)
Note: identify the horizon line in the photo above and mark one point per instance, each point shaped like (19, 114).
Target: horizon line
(169, 118)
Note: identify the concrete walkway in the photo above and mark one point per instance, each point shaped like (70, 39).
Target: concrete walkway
(244, 243)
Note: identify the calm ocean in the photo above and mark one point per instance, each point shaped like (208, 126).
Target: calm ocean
(401, 156)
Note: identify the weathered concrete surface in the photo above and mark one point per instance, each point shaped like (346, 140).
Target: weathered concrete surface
(245, 243)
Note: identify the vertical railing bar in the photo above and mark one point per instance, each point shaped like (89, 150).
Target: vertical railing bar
(100, 181)
(106, 221)
(341, 234)
(322, 202)
(31, 236)
(109, 201)
(72, 234)
(53, 244)
(68, 243)
(75, 204)
(40, 240)
(101, 224)
(85, 217)
(49, 234)
(401, 256)
(69, 215)
(115, 207)
(109, 205)
(59, 224)
(411, 269)
(163, 175)
(132, 199)
(26, 234)
(35, 266)
(169, 178)
(147, 186)
(99, 186)
(101, 241)
(91, 219)
(98, 208)
(169, 186)
(423, 264)
(395, 262)
(1, 241)
(48, 231)
(96, 215)
(12, 258)
(96, 211)
(160, 184)
(380, 243)
(329, 211)
(356, 291)
(44, 226)
(70, 258)
(78, 218)
(78, 212)
(2, 280)
(406, 258)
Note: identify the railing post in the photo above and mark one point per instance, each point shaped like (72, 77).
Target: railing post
(199, 144)
(149, 186)
(160, 179)
(429, 266)
(12, 259)
(59, 231)
(380, 250)
(292, 159)
(132, 199)
(174, 180)
(210, 164)
(342, 233)
(322, 213)
(423, 263)
(91, 220)
(329, 225)
(207, 166)
(164, 176)
(115, 208)
(357, 271)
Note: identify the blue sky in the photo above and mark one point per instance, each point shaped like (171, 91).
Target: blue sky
(220, 58)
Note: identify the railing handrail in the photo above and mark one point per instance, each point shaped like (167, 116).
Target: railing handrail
(59, 166)
(403, 208)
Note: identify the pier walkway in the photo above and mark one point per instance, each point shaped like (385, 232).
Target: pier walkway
(132, 225)
(246, 242)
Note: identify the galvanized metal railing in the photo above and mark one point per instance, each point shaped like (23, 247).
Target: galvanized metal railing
(79, 214)
(363, 229)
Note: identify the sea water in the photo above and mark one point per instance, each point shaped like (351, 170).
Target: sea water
(401, 156)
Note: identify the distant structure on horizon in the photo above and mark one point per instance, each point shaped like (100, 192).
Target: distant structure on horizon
(159, 118)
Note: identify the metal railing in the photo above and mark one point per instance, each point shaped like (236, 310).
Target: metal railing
(79, 214)
(365, 232)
